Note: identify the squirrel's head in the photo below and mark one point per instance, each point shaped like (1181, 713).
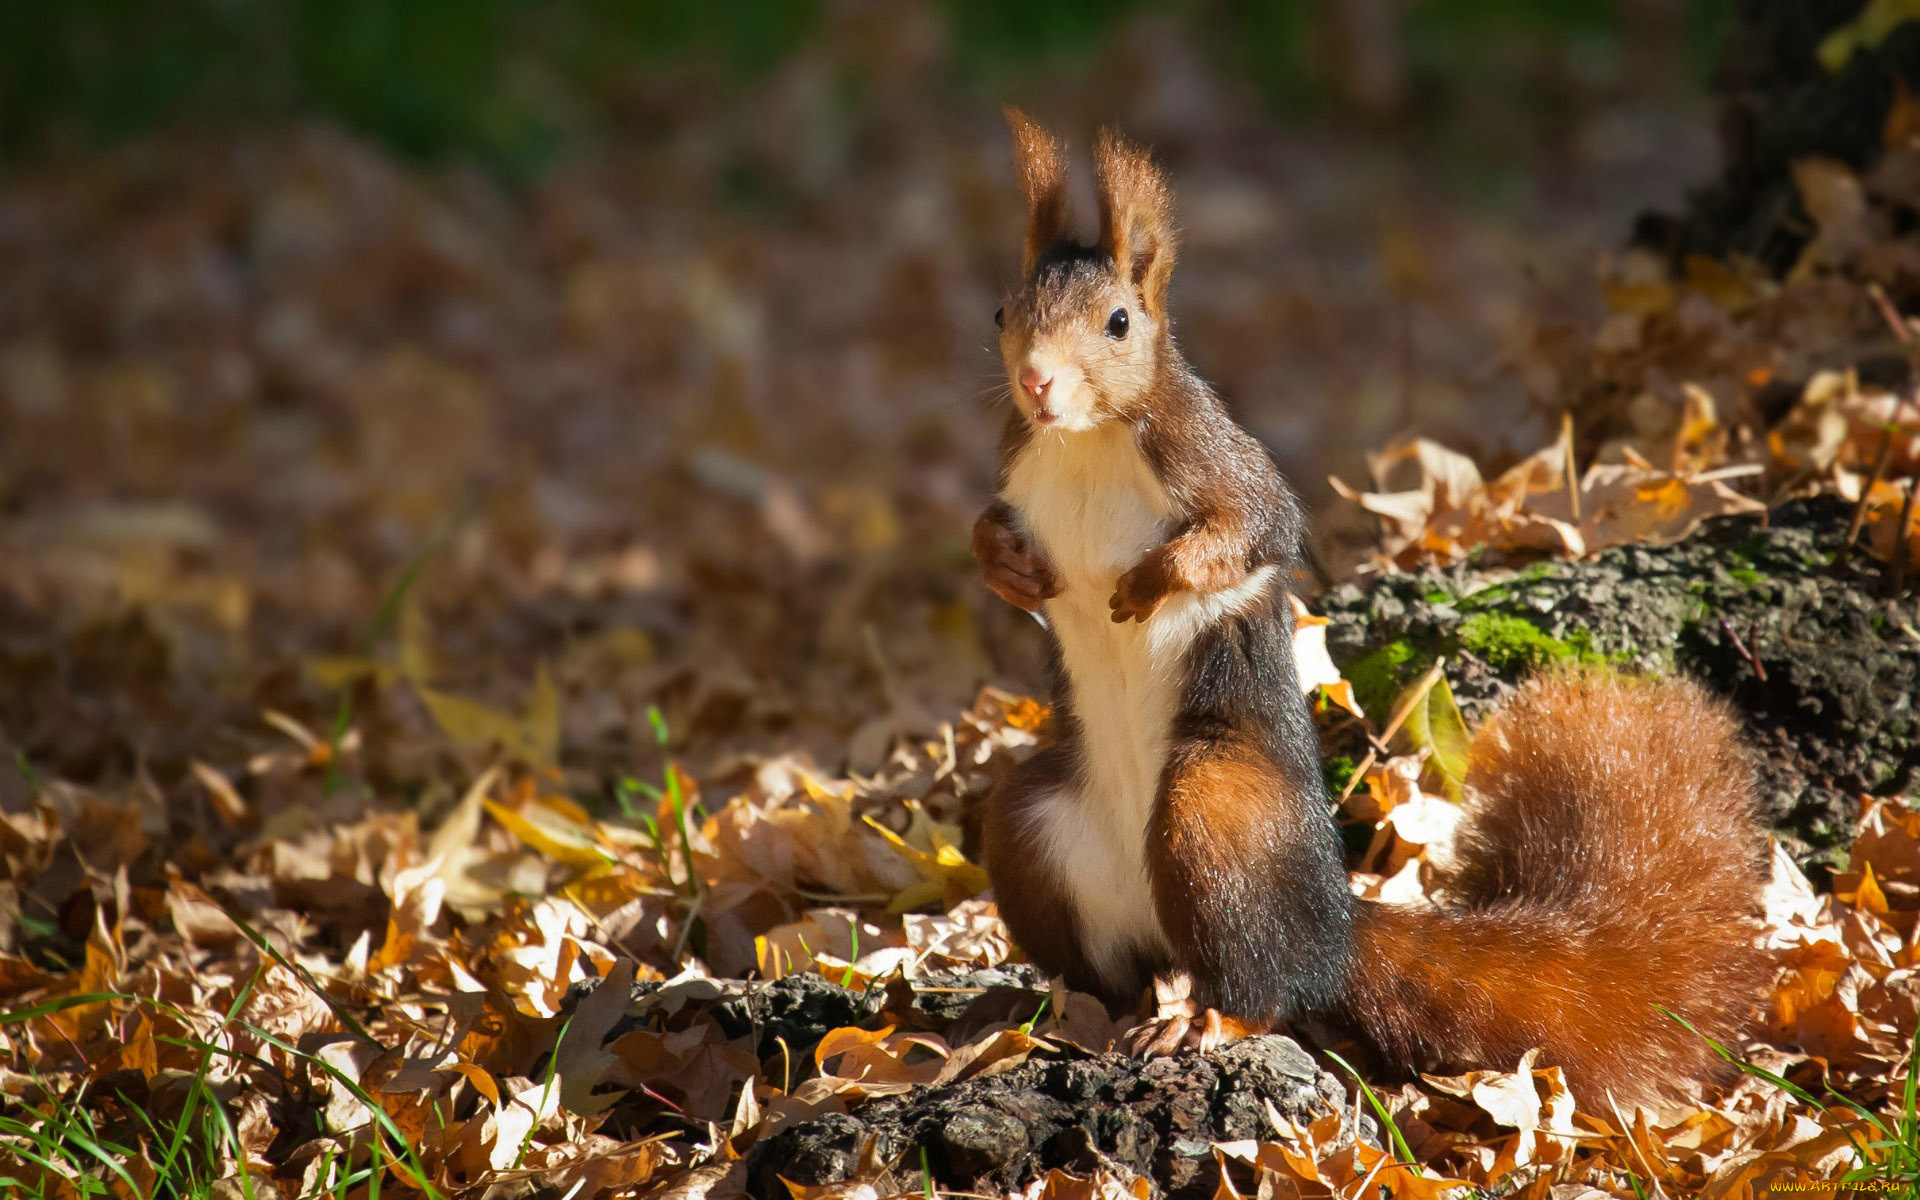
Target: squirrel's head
(1086, 334)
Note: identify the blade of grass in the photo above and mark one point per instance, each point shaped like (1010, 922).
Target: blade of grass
(380, 1115)
(1785, 1085)
(383, 621)
(1910, 1108)
(377, 1170)
(1037, 1014)
(546, 1090)
(26, 770)
(1379, 1110)
(75, 1125)
(198, 1086)
(49, 1007)
(223, 1126)
(853, 955)
(99, 1153)
(340, 1014)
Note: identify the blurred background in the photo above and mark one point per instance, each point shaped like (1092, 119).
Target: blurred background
(642, 349)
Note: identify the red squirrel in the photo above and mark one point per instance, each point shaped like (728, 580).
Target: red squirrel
(1177, 821)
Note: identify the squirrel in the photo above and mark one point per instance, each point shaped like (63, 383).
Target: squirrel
(1176, 819)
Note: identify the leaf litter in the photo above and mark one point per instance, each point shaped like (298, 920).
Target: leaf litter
(407, 914)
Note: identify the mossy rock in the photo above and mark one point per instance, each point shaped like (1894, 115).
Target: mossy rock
(1823, 666)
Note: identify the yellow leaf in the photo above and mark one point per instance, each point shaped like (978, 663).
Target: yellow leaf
(483, 1081)
(1435, 725)
(471, 725)
(533, 739)
(1733, 288)
(1639, 299)
(917, 895)
(227, 803)
(944, 868)
(344, 671)
(606, 888)
(567, 809)
(550, 833)
(543, 719)
(416, 652)
(839, 1041)
(1864, 32)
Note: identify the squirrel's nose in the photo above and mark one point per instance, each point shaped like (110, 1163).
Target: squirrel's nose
(1034, 383)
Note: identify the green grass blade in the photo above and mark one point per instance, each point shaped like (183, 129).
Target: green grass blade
(198, 1086)
(1785, 1085)
(546, 1090)
(50, 1007)
(347, 1020)
(1380, 1110)
(100, 1153)
(380, 1115)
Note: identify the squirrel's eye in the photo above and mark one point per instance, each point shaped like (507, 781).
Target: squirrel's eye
(1117, 323)
(1000, 318)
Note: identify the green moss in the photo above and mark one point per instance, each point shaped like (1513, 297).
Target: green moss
(1513, 646)
(1338, 772)
(1747, 576)
(1491, 594)
(1378, 677)
(1580, 642)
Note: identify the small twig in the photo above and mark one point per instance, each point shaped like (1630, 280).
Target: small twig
(1353, 780)
(1626, 1131)
(1401, 711)
(1903, 330)
(1735, 472)
(1902, 540)
(686, 927)
(1866, 494)
(1740, 645)
(1413, 697)
(1891, 315)
(1569, 468)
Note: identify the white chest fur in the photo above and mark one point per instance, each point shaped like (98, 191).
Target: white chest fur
(1095, 506)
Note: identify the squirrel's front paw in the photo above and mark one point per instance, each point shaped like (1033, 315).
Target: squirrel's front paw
(1172, 1034)
(1138, 594)
(1025, 582)
(1017, 574)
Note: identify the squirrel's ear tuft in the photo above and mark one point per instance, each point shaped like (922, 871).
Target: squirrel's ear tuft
(1136, 217)
(1040, 162)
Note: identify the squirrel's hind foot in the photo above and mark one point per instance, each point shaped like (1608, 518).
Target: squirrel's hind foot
(1172, 1034)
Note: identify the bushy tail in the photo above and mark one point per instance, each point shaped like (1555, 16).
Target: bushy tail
(1609, 865)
